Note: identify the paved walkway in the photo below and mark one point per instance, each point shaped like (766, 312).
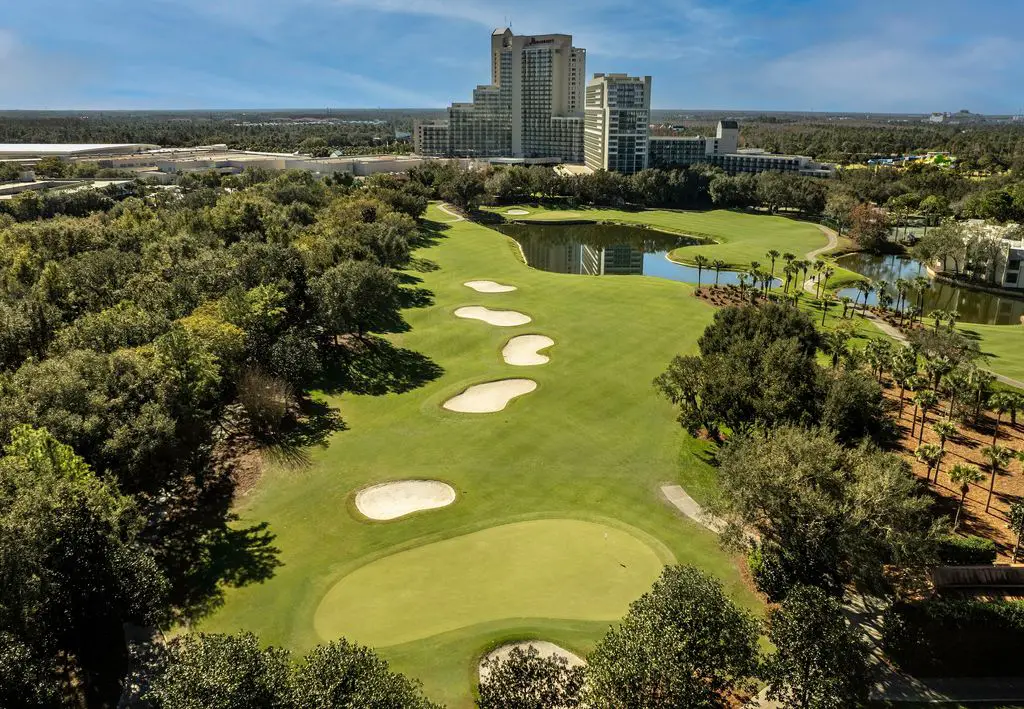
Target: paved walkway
(833, 242)
(458, 217)
(691, 508)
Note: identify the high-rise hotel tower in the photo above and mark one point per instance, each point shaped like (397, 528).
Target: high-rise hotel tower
(533, 107)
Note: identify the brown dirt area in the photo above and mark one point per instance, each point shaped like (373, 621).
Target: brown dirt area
(966, 447)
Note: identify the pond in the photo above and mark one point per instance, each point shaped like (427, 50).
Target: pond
(973, 306)
(606, 250)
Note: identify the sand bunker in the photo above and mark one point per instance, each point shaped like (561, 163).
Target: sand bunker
(397, 499)
(516, 212)
(545, 649)
(490, 397)
(501, 318)
(489, 287)
(523, 351)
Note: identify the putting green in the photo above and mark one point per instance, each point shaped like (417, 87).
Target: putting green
(560, 568)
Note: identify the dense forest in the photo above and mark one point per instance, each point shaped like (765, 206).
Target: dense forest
(144, 348)
(314, 133)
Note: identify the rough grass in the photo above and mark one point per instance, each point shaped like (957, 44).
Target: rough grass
(593, 442)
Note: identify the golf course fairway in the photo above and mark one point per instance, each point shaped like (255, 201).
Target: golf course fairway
(539, 569)
(584, 455)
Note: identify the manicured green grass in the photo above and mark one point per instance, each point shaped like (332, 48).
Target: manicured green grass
(507, 571)
(740, 237)
(594, 443)
(1002, 344)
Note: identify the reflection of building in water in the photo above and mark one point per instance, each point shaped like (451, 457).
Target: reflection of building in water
(556, 258)
(581, 259)
(621, 260)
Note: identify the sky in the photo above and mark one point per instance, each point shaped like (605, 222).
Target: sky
(912, 56)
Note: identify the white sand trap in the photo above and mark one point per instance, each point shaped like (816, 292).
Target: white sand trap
(489, 287)
(490, 397)
(501, 318)
(545, 649)
(397, 499)
(516, 212)
(523, 351)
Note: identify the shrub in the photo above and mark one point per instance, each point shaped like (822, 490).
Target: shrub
(966, 550)
(955, 638)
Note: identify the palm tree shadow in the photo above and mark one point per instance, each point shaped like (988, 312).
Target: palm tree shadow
(315, 424)
(376, 367)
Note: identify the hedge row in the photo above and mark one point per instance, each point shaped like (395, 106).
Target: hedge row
(960, 550)
(955, 638)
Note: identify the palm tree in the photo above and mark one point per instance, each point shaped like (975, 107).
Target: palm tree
(998, 458)
(1000, 402)
(742, 278)
(788, 270)
(938, 316)
(925, 399)
(956, 382)
(936, 368)
(701, 262)
(920, 285)
(951, 317)
(878, 353)
(930, 454)
(773, 254)
(846, 304)
(825, 301)
(823, 282)
(904, 368)
(981, 384)
(865, 288)
(719, 265)
(804, 265)
(944, 429)
(902, 286)
(836, 344)
(964, 476)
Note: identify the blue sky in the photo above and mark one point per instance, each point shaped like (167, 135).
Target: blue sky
(817, 55)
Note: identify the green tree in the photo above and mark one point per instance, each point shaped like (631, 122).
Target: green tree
(828, 514)
(341, 674)
(819, 661)
(525, 680)
(216, 671)
(904, 368)
(773, 254)
(944, 429)
(355, 297)
(924, 400)
(682, 644)
(964, 476)
(72, 566)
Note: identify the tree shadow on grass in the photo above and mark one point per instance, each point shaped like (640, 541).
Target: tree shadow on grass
(377, 367)
(315, 423)
(233, 557)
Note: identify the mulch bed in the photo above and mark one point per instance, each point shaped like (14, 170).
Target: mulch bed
(966, 448)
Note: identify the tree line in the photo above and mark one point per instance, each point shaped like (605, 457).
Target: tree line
(141, 347)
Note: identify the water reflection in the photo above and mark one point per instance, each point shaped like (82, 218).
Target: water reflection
(973, 306)
(608, 249)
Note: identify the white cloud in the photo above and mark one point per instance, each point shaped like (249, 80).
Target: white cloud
(890, 73)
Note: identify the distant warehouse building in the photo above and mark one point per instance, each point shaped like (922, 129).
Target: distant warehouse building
(37, 151)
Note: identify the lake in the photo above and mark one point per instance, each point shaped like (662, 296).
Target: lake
(973, 306)
(608, 250)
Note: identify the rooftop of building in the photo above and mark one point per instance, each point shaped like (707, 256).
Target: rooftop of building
(42, 150)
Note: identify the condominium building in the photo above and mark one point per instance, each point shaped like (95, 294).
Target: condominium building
(617, 123)
(531, 109)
